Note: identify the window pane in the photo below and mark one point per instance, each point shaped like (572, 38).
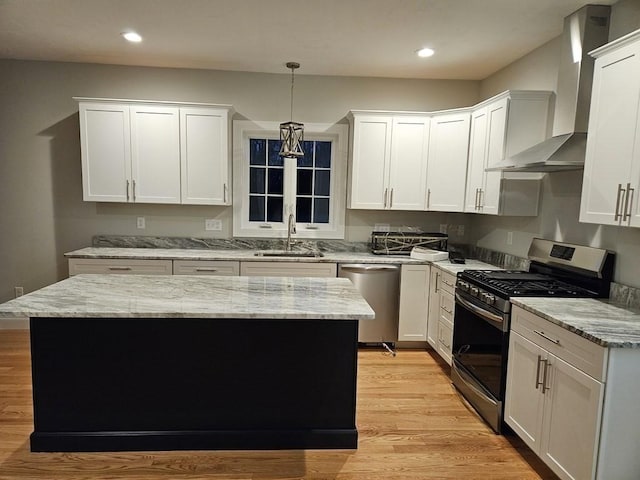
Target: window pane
(276, 176)
(307, 160)
(274, 151)
(257, 151)
(322, 183)
(256, 209)
(274, 209)
(323, 154)
(321, 210)
(303, 209)
(305, 179)
(256, 180)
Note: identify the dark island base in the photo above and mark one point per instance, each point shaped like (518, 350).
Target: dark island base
(127, 384)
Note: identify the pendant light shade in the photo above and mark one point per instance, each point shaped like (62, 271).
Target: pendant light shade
(292, 133)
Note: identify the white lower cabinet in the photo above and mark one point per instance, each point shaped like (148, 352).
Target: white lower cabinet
(206, 267)
(288, 269)
(567, 398)
(414, 303)
(119, 266)
(441, 312)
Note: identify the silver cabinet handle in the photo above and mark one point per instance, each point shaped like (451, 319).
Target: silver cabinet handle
(447, 283)
(428, 197)
(386, 191)
(224, 199)
(446, 309)
(127, 190)
(545, 387)
(120, 268)
(203, 269)
(480, 193)
(628, 203)
(618, 197)
(134, 190)
(543, 335)
(538, 382)
(436, 287)
(391, 199)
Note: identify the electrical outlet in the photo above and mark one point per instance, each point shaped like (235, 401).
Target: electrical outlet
(141, 223)
(461, 230)
(509, 238)
(19, 291)
(381, 227)
(213, 224)
(443, 228)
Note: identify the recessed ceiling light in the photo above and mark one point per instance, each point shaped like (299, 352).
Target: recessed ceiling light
(132, 37)
(425, 52)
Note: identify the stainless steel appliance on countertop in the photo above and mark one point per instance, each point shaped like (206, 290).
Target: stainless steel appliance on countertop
(483, 311)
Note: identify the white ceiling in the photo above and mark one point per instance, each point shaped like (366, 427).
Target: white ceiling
(376, 38)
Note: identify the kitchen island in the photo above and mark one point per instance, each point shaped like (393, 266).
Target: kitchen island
(188, 362)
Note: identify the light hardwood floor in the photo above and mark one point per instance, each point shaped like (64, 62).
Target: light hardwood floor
(412, 426)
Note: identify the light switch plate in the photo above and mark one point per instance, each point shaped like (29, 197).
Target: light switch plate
(141, 223)
(213, 224)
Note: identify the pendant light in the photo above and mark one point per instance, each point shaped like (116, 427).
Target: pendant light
(292, 133)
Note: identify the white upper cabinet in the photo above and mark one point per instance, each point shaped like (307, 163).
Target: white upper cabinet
(502, 126)
(204, 144)
(447, 164)
(612, 165)
(389, 161)
(152, 152)
(105, 141)
(155, 154)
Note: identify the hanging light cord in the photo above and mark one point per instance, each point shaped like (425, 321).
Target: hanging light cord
(292, 70)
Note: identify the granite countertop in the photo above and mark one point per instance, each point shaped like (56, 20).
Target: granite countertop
(600, 321)
(184, 296)
(454, 268)
(235, 255)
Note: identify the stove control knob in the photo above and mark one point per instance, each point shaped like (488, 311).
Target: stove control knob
(490, 299)
(464, 286)
(474, 291)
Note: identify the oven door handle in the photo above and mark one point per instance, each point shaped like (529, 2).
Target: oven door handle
(492, 318)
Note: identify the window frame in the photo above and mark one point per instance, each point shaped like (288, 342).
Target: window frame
(337, 134)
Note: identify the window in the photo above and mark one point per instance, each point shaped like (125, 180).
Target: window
(267, 187)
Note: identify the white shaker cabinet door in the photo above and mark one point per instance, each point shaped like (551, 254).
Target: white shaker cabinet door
(106, 152)
(155, 154)
(205, 156)
(414, 303)
(370, 164)
(477, 157)
(447, 164)
(612, 143)
(496, 131)
(524, 401)
(408, 166)
(571, 423)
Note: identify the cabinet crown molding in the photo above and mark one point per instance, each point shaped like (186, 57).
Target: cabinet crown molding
(152, 102)
(618, 43)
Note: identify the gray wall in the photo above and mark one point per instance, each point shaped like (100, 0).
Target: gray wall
(560, 204)
(43, 215)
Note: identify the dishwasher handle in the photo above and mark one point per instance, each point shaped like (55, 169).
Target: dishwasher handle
(364, 268)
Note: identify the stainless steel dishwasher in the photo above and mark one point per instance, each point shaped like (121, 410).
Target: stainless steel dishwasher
(380, 286)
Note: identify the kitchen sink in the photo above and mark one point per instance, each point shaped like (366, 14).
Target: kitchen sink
(286, 253)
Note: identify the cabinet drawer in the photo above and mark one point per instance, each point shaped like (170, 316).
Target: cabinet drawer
(445, 340)
(570, 347)
(119, 266)
(206, 267)
(447, 282)
(446, 305)
(288, 269)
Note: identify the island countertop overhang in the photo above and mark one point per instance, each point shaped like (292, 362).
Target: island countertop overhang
(155, 296)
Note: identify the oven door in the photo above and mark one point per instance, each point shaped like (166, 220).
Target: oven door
(480, 344)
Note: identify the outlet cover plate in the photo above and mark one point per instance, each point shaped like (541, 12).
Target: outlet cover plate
(213, 224)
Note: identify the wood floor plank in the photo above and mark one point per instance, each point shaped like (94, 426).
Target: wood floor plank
(412, 425)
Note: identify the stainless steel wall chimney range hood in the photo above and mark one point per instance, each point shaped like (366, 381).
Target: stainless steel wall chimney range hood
(584, 30)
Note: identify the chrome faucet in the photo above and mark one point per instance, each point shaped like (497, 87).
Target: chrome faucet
(291, 229)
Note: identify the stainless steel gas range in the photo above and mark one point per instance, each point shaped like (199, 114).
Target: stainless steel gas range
(483, 310)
